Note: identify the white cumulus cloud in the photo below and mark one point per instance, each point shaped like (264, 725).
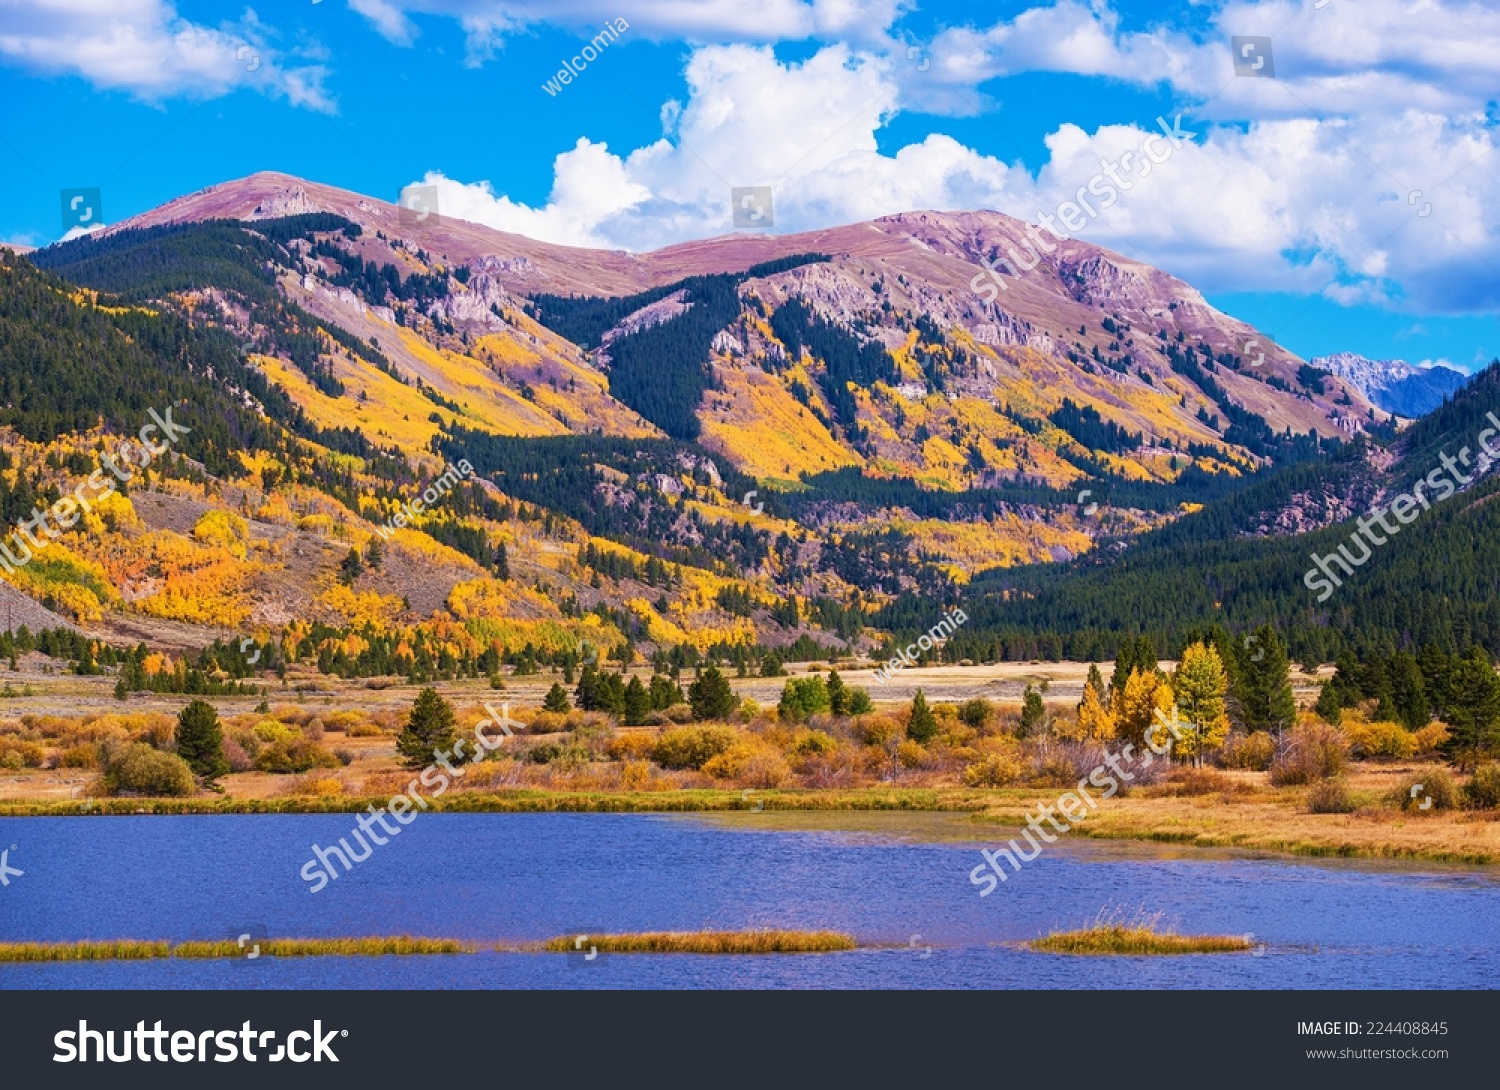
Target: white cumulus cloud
(1393, 208)
(146, 49)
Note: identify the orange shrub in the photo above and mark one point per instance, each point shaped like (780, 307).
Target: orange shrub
(631, 746)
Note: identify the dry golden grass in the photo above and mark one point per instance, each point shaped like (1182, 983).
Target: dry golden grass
(133, 950)
(1276, 820)
(116, 950)
(1136, 940)
(707, 942)
(1139, 935)
(403, 945)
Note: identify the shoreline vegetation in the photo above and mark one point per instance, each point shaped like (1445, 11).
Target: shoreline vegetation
(1263, 758)
(650, 942)
(1229, 816)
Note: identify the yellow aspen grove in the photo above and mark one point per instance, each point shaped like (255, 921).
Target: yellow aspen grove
(1095, 721)
(1144, 695)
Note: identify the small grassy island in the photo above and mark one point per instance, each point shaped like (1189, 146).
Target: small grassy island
(706, 942)
(1142, 935)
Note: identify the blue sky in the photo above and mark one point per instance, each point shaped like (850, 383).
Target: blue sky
(1349, 203)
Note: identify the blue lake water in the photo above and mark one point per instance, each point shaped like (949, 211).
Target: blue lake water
(522, 877)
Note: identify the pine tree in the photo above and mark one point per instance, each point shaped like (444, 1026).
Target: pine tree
(587, 693)
(609, 696)
(1407, 703)
(1136, 653)
(374, 557)
(200, 741)
(637, 703)
(1033, 712)
(838, 694)
(1436, 666)
(711, 695)
(86, 666)
(1330, 704)
(429, 730)
(350, 567)
(1265, 697)
(557, 699)
(665, 692)
(1095, 683)
(921, 726)
(1473, 713)
(502, 562)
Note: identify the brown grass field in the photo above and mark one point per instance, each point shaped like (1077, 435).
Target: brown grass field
(1229, 809)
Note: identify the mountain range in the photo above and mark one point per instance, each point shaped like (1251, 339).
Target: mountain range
(744, 443)
(1398, 387)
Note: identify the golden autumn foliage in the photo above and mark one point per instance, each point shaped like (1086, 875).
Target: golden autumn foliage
(1096, 722)
(1135, 706)
(223, 529)
(184, 580)
(77, 587)
(360, 607)
(1201, 686)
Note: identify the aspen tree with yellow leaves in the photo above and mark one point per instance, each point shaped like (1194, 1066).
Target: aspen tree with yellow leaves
(1201, 685)
(1145, 693)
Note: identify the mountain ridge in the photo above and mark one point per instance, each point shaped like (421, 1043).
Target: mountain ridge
(906, 432)
(1398, 387)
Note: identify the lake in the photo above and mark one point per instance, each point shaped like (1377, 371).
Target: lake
(882, 877)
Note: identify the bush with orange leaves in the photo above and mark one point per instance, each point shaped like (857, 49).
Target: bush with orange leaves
(196, 583)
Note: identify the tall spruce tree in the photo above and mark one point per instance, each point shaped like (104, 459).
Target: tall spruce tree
(1473, 713)
(921, 726)
(637, 703)
(200, 741)
(1265, 697)
(429, 728)
(557, 699)
(1407, 700)
(711, 695)
(838, 694)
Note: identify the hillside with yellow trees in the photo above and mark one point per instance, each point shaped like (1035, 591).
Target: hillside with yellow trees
(430, 449)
